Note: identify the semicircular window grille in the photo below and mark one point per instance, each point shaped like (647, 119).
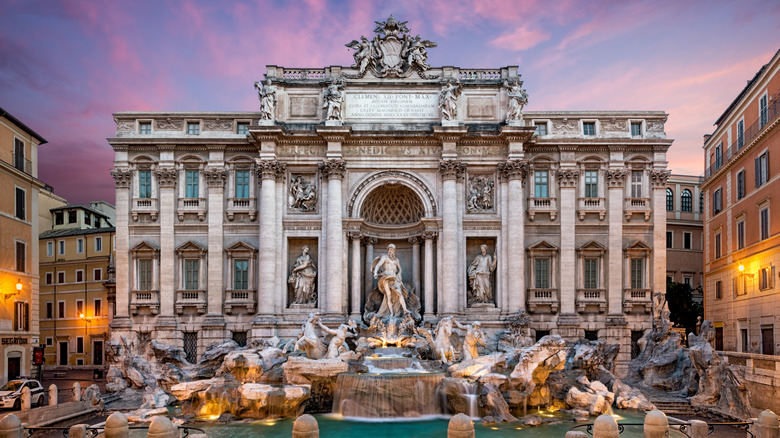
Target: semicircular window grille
(392, 204)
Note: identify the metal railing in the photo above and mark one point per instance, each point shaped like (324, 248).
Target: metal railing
(682, 428)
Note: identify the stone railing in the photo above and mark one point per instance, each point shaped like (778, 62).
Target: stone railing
(637, 205)
(144, 206)
(762, 377)
(480, 74)
(242, 205)
(543, 297)
(642, 298)
(192, 205)
(240, 298)
(542, 205)
(145, 298)
(591, 297)
(591, 205)
(190, 298)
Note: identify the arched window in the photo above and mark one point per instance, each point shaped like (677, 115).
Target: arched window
(669, 199)
(686, 200)
(701, 202)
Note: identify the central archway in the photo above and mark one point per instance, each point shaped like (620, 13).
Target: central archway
(412, 184)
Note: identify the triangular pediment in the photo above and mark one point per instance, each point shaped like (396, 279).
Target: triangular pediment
(543, 246)
(592, 246)
(190, 246)
(638, 245)
(241, 246)
(145, 247)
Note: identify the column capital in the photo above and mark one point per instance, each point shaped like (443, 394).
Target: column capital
(568, 178)
(659, 177)
(355, 235)
(122, 178)
(368, 240)
(429, 234)
(269, 169)
(215, 176)
(513, 169)
(415, 240)
(451, 169)
(166, 176)
(616, 177)
(333, 169)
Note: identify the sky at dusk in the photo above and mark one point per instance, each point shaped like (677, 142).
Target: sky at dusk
(66, 66)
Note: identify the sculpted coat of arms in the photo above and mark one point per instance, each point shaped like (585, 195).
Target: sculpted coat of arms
(392, 53)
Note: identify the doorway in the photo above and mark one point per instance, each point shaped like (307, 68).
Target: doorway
(14, 367)
(63, 356)
(767, 339)
(97, 353)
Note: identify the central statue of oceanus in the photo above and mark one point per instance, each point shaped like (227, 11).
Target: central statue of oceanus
(391, 297)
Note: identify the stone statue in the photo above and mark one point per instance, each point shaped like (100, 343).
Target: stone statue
(338, 342)
(480, 194)
(414, 53)
(303, 194)
(480, 271)
(308, 341)
(518, 99)
(444, 350)
(474, 338)
(387, 270)
(448, 97)
(364, 53)
(267, 95)
(302, 278)
(334, 97)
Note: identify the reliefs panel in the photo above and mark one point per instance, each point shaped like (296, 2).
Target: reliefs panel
(302, 195)
(480, 197)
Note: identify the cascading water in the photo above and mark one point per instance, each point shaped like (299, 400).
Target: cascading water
(387, 395)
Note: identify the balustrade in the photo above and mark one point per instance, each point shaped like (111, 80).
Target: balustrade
(190, 298)
(240, 298)
(542, 205)
(591, 205)
(541, 298)
(145, 299)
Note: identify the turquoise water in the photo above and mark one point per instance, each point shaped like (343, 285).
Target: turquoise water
(335, 426)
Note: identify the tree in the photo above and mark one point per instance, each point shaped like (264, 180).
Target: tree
(683, 309)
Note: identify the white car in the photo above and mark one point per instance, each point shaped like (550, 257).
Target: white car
(11, 393)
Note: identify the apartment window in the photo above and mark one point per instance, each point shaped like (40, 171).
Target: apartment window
(717, 246)
(541, 128)
(240, 274)
(61, 277)
(541, 184)
(636, 129)
(190, 346)
(49, 278)
(87, 218)
(79, 344)
(79, 276)
(21, 203)
(701, 202)
(145, 128)
(98, 244)
(591, 184)
(637, 273)
(741, 234)
(764, 223)
(240, 338)
(589, 128)
(718, 156)
(669, 239)
(763, 114)
(97, 274)
(636, 183)
(79, 308)
(687, 280)
(97, 222)
(145, 184)
(191, 271)
(591, 273)
(61, 309)
(49, 249)
(192, 180)
(59, 218)
(743, 334)
(193, 128)
(21, 256)
(762, 169)
(669, 199)
(242, 184)
(686, 200)
(22, 316)
(687, 240)
(98, 307)
(79, 246)
(717, 201)
(72, 217)
(144, 274)
(718, 290)
(19, 154)
(242, 128)
(740, 134)
(542, 273)
(740, 184)
(49, 310)
(49, 342)
(766, 278)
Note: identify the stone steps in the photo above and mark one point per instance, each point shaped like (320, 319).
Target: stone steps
(674, 407)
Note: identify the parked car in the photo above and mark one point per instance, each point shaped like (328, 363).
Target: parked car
(11, 393)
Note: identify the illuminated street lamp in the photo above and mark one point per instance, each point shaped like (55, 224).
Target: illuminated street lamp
(18, 290)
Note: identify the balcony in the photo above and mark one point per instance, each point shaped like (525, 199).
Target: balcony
(192, 206)
(541, 299)
(637, 205)
(542, 205)
(591, 205)
(190, 298)
(140, 299)
(240, 298)
(595, 299)
(144, 206)
(242, 206)
(637, 298)
(23, 164)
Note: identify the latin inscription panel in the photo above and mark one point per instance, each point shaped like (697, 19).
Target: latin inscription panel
(374, 106)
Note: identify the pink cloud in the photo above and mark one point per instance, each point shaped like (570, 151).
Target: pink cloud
(521, 39)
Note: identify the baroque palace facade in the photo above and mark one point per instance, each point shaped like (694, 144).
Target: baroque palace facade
(240, 224)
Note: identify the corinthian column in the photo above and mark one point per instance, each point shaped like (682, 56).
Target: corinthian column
(215, 178)
(428, 273)
(568, 196)
(450, 170)
(167, 177)
(615, 180)
(659, 177)
(357, 267)
(123, 179)
(514, 172)
(267, 171)
(334, 170)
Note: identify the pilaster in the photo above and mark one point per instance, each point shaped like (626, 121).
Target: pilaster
(334, 171)
(513, 171)
(167, 177)
(215, 178)
(121, 322)
(615, 181)
(567, 181)
(450, 170)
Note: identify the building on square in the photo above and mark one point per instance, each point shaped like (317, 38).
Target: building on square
(684, 225)
(75, 260)
(239, 224)
(19, 187)
(742, 234)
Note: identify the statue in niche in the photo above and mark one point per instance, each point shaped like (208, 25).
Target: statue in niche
(480, 194)
(480, 270)
(391, 298)
(308, 341)
(267, 95)
(338, 343)
(303, 194)
(448, 97)
(473, 339)
(518, 99)
(334, 97)
(302, 278)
